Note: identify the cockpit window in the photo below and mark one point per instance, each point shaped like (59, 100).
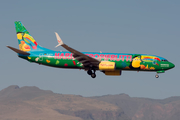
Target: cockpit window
(164, 60)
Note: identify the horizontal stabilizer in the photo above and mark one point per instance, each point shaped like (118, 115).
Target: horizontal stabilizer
(18, 51)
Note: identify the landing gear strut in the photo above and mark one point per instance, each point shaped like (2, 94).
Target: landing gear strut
(93, 74)
(157, 76)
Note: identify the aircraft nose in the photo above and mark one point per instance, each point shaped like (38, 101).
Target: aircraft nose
(171, 65)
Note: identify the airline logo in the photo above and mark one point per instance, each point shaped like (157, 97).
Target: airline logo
(164, 65)
(106, 65)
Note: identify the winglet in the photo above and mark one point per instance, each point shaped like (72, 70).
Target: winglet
(58, 40)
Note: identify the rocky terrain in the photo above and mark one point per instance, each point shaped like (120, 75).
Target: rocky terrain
(144, 108)
(32, 103)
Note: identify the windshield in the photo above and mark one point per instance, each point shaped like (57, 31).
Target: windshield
(164, 60)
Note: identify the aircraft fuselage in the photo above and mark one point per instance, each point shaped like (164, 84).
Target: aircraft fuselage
(108, 63)
(138, 62)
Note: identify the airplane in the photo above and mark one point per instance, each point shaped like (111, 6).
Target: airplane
(108, 63)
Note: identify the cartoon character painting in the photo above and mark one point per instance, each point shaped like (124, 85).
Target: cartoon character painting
(26, 41)
(136, 62)
(144, 62)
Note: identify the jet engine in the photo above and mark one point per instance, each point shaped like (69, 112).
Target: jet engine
(115, 72)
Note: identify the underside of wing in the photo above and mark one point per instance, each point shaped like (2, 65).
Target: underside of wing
(82, 58)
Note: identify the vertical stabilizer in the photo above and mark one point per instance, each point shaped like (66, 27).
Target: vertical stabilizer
(26, 42)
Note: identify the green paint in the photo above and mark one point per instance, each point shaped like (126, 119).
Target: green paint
(57, 62)
(20, 27)
(162, 71)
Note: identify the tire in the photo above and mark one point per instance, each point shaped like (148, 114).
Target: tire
(93, 75)
(89, 72)
(157, 76)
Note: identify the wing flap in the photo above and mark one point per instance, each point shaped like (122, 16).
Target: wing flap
(80, 56)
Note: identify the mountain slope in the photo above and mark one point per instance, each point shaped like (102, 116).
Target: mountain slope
(145, 108)
(29, 103)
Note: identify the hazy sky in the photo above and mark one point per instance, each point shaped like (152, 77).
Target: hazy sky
(124, 26)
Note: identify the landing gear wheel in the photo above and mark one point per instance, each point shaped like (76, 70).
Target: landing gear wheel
(93, 75)
(89, 72)
(157, 76)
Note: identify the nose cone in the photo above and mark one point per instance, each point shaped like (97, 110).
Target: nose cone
(171, 65)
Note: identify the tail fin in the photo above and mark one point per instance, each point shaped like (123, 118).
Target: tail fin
(26, 42)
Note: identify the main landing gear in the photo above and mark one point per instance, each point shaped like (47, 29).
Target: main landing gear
(92, 73)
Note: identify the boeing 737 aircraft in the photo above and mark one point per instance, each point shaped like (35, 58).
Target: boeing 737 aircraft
(108, 63)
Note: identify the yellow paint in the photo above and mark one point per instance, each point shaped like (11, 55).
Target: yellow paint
(147, 67)
(29, 57)
(152, 68)
(48, 61)
(20, 46)
(106, 65)
(19, 36)
(144, 56)
(30, 37)
(136, 62)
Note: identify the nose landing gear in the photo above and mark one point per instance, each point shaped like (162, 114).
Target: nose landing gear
(157, 76)
(161, 71)
(93, 74)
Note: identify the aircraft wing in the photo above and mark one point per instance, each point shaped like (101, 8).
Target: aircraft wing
(82, 58)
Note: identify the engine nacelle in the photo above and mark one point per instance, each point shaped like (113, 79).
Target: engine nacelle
(107, 66)
(115, 72)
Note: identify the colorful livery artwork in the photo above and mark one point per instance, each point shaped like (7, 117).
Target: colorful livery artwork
(108, 63)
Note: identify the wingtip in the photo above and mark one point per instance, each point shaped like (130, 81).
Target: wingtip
(8, 46)
(57, 45)
(58, 39)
